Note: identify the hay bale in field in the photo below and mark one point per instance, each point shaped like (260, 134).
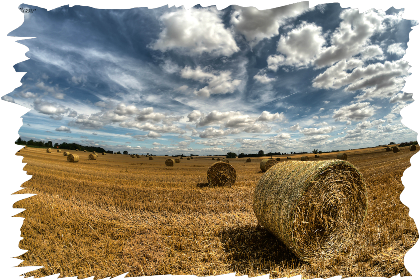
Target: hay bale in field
(77, 149)
(304, 158)
(65, 154)
(72, 158)
(212, 158)
(188, 158)
(248, 160)
(278, 159)
(103, 153)
(169, 162)
(49, 150)
(395, 149)
(58, 151)
(314, 207)
(412, 147)
(92, 157)
(221, 174)
(342, 156)
(316, 156)
(289, 157)
(225, 160)
(150, 158)
(266, 163)
(177, 160)
(133, 156)
(84, 151)
(137, 156)
(218, 159)
(191, 158)
(388, 149)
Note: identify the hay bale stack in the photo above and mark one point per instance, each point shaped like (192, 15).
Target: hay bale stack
(177, 160)
(395, 149)
(412, 147)
(65, 154)
(248, 160)
(49, 150)
(266, 163)
(342, 156)
(278, 159)
(314, 207)
(92, 157)
(72, 158)
(150, 158)
(58, 151)
(137, 156)
(388, 149)
(304, 158)
(169, 162)
(221, 174)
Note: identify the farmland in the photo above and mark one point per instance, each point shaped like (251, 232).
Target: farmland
(120, 214)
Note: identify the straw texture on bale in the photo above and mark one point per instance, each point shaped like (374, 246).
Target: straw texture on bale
(314, 207)
(304, 158)
(388, 149)
(177, 160)
(49, 150)
(72, 158)
(221, 174)
(169, 162)
(342, 156)
(65, 154)
(92, 157)
(58, 151)
(412, 147)
(395, 149)
(150, 158)
(266, 163)
(248, 160)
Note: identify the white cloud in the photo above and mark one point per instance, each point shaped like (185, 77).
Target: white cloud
(147, 114)
(396, 49)
(264, 79)
(8, 98)
(294, 127)
(315, 117)
(153, 134)
(124, 110)
(27, 94)
(403, 96)
(268, 117)
(317, 131)
(321, 124)
(257, 128)
(282, 136)
(211, 132)
(372, 52)
(63, 128)
(55, 111)
(354, 112)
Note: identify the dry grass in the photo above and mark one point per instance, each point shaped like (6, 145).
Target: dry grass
(342, 156)
(266, 163)
(107, 217)
(395, 149)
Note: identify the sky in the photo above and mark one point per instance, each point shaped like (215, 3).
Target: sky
(171, 80)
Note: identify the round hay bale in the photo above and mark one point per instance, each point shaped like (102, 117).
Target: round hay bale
(103, 153)
(177, 160)
(49, 150)
(133, 156)
(289, 157)
(342, 156)
(150, 158)
(221, 174)
(92, 157)
(225, 160)
(412, 147)
(137, 156)
(218, 159)
(169, 162)
(304, 158)
(314, 207)
(65, 154)
(388, 149)
(395, 149)
(248, 160)
(77, 149)
(58, 151)
(72, 158)
(188, 158)
(266, 163)
(278, 159)
(84, 151)
(191, 158)
(212, 158)
(316, 156)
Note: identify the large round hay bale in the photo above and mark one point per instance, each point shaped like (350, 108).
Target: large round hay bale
(304, 158)
(49, 150)
(278, 159)
(248, 160)
(177, 160)
(314, 207)
(150, 158)
(92, 157)
(388, 149)
(72, 158)
(342, 156)
(412, 147)
(169, 162)
(58, 151)
(95, 153)
(395, 149)
(221, 174)
(266, 163)
(137, 156)
(65, 154)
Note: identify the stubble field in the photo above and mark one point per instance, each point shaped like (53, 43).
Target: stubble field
(119, 214)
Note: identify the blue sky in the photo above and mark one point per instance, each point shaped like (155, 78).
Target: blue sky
(209, 81)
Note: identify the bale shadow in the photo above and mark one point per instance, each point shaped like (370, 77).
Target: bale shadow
(253, 249)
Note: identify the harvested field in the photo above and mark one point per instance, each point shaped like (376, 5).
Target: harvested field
(115, 215)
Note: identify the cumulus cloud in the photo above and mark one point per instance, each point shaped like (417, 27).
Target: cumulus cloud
(294, 127)
(321, 124)
(396, 49)
(55, 111)
(147, 114)
(217, 83)
(282, 136)
(354, 112)
(317, 131)
(27, 94)
(268, 117)
(257, 128)
(194, 116)
(211, 132)
(216, 117)
(403, 96)
(63, 128)
(315, 139)
(263, 79)
(124, 110)
(8, 98)
(153, 127)
(153, 134)
(188, 30)
(372, 52)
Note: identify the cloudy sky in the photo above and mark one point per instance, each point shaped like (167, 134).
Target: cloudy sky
(206, 81)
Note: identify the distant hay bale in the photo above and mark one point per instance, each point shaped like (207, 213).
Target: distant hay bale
(77, 149)
(133, 156)
(248, 160)
(316, 156)
(388, 149)
(221, 174)
(412, 147)
(304, 158)
(137, 156)
(395, 149)
(314, 207)
(65, 154)
(289, 157)
(103, 153)
(49, 150)
(212, 158)
(278, 159)
(150, 158)
(225, 160)
(84, 151)
(92, 157)
(191, 158)
(177, 160)
(218, 159)
(169, 162)
(188, 158)
(58, 151)
(266, 163)
(342, 156)
(72, 158)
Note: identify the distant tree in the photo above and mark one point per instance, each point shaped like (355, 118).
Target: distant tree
(18, 141)
(230, 155)
(261, 153)
(391, 143)
(125, 153)
(119, 153)
(315, 151)
(241, 155)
